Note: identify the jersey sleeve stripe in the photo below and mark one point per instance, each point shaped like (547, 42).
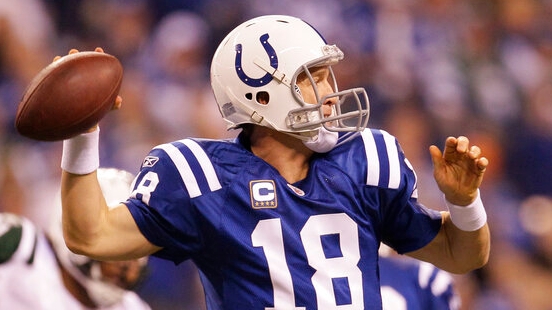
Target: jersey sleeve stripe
(194, 167)
(186, 173)
(205, 163)
(372, 158)
(383, 161)
(394, 165)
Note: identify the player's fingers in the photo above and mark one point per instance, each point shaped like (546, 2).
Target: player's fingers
(475, 152)
(99, 50)
(436, 155)
(482, 164)
(462, 144)
(450, 142)
(93, 128)
(118, 103)
(71, 51)
(450, 151)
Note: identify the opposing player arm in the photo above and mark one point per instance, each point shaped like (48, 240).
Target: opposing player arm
(463, 243)
(93, 229)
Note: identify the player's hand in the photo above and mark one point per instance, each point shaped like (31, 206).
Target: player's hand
(73, 51)
(458, 170)
(118, 101)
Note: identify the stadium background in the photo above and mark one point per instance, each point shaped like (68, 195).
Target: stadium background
(432, 68)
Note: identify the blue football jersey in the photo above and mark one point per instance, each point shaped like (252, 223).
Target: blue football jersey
(262, 243)
(409, 284)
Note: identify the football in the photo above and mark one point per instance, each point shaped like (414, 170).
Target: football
(69, 96)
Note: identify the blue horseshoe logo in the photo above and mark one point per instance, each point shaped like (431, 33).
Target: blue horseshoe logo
(273, 63)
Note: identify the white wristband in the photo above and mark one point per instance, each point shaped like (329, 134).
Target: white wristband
(81, 153)
(470, 217)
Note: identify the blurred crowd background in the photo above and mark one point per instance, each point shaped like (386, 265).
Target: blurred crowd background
(432, 68)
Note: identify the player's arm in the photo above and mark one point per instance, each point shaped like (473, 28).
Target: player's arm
(89, 226)
(455, 250)
(93, 229)
(463, 244)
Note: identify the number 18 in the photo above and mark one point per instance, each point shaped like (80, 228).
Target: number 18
(268, 235)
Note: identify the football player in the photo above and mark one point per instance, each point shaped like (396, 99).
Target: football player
(290, 214)
(37, 270)
(409, 284)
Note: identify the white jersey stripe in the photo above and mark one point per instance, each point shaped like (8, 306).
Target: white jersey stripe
(393, 157)
(205, 164)
(373, 173)
(186, 173)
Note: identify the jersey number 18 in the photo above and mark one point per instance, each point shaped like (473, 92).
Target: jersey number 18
(268, 235)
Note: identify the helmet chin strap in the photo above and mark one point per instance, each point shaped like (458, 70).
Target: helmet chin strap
(323, 142)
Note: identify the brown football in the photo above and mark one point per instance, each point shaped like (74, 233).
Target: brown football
(69, 96)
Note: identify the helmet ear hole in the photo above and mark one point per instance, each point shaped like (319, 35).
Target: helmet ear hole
(263, 97)
(249, 96)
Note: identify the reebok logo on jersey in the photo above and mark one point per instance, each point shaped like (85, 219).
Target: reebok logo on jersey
(263, 194)
(150, 161)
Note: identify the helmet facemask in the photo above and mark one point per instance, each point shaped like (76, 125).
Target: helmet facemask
(350, 108)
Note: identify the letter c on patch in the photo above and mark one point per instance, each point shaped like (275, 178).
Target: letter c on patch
(263, 191)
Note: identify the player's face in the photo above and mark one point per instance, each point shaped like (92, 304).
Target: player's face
(321, 78)
(124, 274)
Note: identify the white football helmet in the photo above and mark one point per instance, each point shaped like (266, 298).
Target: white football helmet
(254, 73)
(116, 186)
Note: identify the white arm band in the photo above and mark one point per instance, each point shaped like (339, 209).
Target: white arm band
(81, 153)
(470, 217)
